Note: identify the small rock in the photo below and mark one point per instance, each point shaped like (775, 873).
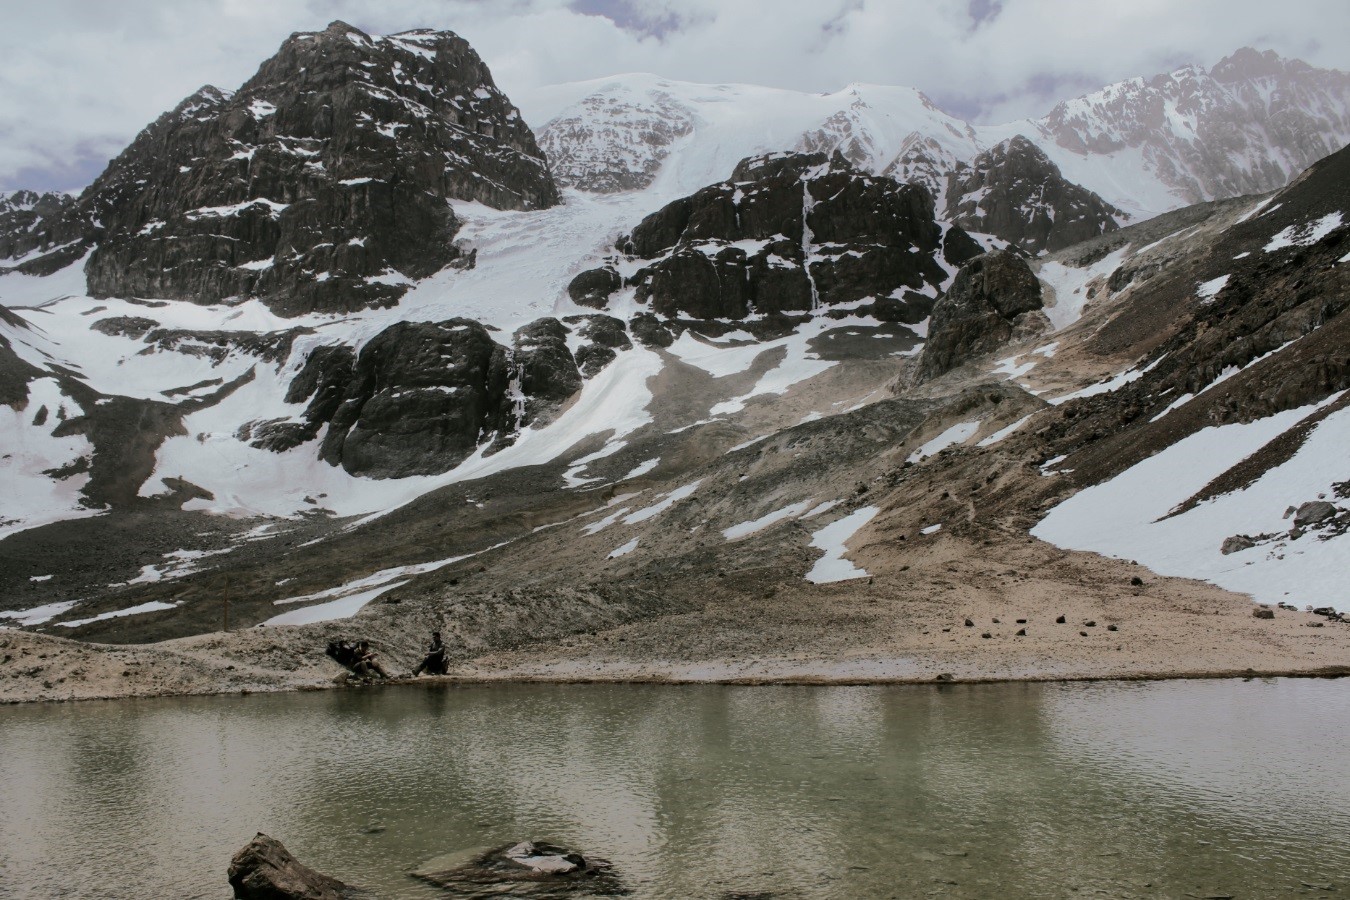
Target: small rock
(995, 621)
(1112, 628)
(1021, 621)
(1137, 581)
(1060, 620)
(1263, 613)
(1314, 624)
(969, 623)
(1083, 633)
(945, 676)
(1090, 623)
(986, 635)
(1021, 632)
(1236, 543)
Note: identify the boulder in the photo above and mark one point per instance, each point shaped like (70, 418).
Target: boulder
(264, 870)
(601, 338)
(1236, 543)
(524, 869)
(979, 311)
(1313, 513)
(544, 373)
(650, 330)
(594, 287)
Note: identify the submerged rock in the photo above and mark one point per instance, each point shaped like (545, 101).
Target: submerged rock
(265, 870)
(524, 869)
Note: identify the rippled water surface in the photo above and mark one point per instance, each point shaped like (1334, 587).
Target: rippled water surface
(1167, 789)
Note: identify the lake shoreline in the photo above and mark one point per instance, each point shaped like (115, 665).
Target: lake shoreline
(955, 611)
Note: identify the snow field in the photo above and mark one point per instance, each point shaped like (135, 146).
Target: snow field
(1127, 517)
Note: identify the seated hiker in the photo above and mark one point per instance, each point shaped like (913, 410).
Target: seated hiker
(366, 663)
(435, 662)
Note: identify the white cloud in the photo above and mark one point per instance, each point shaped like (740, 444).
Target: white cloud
(80, 77)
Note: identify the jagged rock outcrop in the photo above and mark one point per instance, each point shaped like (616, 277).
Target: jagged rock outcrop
(544, 374)
(263, 869)
(979, 311)
(1014, 191)
(322, 184)
(421, 397)
(601, 337)
(1247, 126)
(787, 233)
(923, 161)
(39, 232)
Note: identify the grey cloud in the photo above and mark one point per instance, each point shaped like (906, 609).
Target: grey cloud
(80, 77)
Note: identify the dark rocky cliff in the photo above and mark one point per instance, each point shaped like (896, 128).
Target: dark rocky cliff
(787, 233)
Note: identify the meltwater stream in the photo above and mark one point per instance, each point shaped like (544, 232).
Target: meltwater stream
(1169, 789)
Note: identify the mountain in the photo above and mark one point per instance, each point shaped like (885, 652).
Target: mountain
(827, 371)
(1145, 146)
(1247, 126)
(321, 184)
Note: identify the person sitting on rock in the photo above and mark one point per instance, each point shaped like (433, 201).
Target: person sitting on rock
(366, 663)
(435, 662)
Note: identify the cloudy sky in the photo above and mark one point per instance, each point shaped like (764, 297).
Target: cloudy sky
(78, 78)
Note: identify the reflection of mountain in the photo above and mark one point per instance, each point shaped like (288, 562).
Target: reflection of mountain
(697, 791)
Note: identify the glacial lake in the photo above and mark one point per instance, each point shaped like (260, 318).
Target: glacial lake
(1163, 789)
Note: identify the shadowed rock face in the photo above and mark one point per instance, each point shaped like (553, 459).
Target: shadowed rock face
(322, 184)
(788, 232)
(978, 312)
(421, 397)
(1015, 192)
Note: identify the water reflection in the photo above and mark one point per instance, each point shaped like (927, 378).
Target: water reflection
(1009, 791)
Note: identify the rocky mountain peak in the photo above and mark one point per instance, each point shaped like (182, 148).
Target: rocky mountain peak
(1247, 126)
(321, 184)
(1015, 192)
(1247, 63)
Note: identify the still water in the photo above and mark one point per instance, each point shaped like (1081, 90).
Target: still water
(1169, 789)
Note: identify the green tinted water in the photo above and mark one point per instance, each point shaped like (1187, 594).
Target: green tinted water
(1110, 790)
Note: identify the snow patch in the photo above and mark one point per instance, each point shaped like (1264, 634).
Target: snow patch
(832, 538)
